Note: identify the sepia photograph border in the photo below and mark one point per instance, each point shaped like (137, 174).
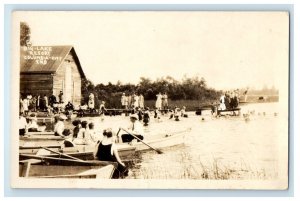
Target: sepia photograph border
(137, 184)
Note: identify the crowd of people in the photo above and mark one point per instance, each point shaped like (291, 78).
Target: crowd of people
(29, 124)
(161, 101)
(132, 101)
(84, 132)
(229, 100)
(50, 104)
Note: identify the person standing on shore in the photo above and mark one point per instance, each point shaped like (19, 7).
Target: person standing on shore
(45, 100)
(22, 124)
(165, 105)
(141, 101)
(158, 102)
(25, 104)
(129, 101)
(222, 102)
(21, 104)
(135, 101)
(52, 100)
(102, 110)
(123, 101)
(61, 97)
(91, 102)
(126, 102)
(38, 101)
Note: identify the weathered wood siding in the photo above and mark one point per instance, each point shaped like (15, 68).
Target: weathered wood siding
(59, 81)
(36, 84)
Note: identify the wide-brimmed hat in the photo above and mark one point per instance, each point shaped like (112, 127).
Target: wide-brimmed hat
(62, 117)
(135, 116)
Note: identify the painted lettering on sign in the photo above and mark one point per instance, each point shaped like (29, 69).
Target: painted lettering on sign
(40, 54)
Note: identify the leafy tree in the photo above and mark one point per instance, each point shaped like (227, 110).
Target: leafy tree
(24, 33)
(193, 88)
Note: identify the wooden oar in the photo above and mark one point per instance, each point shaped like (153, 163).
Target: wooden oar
(66, 155)
(117, 140)
(118, 132)
(157, 150)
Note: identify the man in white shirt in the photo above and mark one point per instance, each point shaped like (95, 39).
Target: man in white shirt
(60, 126)
(22, 124)
(94, 136)
(135, 128)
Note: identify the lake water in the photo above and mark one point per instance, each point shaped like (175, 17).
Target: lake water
(216, 148)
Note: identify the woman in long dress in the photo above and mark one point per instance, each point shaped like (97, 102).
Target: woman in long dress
(158, 101)
(141, 101)
(136, 101)
(25, 104)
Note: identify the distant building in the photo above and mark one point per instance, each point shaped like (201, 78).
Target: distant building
(47, 70)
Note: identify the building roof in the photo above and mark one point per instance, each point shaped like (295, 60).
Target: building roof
(46, 59)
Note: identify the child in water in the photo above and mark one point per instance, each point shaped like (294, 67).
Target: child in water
(146, 117)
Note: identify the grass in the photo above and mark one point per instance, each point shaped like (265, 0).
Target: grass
(213, 170)
(216, 170)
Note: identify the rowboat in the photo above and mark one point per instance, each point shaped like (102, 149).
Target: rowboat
(84, 152)
(24, 144)
(47, 167)
(41, 138)
(233, 112)
(45, 139)
(160, 140)
(45, 133)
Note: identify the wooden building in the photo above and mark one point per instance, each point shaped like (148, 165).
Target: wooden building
(47, 70)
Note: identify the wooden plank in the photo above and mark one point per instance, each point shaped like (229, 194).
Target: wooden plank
(25, 168)
(35, 76)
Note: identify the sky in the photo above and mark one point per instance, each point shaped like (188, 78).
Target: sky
(228, 49)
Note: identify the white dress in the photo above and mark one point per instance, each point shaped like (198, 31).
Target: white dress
(91, 102)
(141, 101)
(25, 104)
(123, 100)
(222, 103)
(158, 101)
(80, 137)
(136, 101)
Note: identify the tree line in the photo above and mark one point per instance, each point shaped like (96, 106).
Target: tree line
(193, 88)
